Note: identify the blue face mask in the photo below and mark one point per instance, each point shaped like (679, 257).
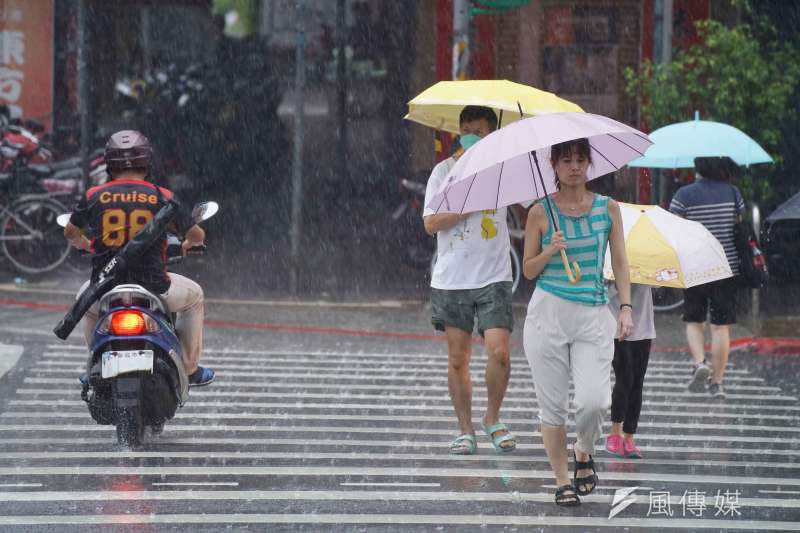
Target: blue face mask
(468, 140)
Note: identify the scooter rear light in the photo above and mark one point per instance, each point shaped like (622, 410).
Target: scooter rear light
(127, 323)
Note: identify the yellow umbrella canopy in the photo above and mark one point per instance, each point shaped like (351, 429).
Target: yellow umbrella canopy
(666, 250)
(439, 106)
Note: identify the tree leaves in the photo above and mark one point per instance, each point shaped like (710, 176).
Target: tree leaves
(729, 77)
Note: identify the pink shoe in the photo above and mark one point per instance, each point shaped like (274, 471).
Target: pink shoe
(615, 445)
(631, 450)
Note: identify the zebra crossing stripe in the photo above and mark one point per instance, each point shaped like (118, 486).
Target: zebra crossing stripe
(237, 441)
(342, 495)
(510, 390)
(447, 458)
(398, 359)
(177, 425)
(199, 406)
(476, 401)
(390, 472)
(483, 520)
(515, 381)
(399, 418)
(52, 366)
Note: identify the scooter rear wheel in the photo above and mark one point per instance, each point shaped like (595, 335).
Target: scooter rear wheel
(130, 428)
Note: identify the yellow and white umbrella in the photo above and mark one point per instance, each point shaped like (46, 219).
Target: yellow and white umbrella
(666, 250)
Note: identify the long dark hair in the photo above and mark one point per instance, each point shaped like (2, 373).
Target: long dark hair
(557, 151)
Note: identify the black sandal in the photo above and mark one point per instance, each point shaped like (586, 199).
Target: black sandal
(567, 496)
(585, 481)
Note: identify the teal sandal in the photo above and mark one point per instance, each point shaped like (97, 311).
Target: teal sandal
(500, 439)
(466, 444)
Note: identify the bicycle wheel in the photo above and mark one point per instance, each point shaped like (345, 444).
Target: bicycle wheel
(31, 238)
(667, 298)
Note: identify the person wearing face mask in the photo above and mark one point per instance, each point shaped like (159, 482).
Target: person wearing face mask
(471, 285)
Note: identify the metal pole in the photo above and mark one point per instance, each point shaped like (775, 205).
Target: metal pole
(146, 42)
(666, 34)
(341, 89)
(755, 294)
(297, 152)
(83, 88)
(460, 39)
(663, 54)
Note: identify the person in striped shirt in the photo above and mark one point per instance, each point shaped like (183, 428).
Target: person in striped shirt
(569, 328)
(717, 205)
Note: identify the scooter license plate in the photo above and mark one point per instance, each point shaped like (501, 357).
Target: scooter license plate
(124, 361)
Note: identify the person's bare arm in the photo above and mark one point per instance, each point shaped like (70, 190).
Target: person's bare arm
(619, 264)
(441, 221)
(76, 238)
(534, 257)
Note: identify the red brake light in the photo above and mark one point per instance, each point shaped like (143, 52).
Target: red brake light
(127, 323)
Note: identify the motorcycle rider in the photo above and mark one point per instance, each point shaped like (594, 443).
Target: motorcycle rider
(109, 215)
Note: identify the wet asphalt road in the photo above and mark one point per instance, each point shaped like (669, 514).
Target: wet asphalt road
(336, 418)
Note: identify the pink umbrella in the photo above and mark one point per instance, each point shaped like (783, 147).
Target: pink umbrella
(504, 167)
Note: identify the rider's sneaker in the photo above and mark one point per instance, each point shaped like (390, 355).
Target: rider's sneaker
(716, 391)
(200, 377)
(157, 429)
(701, 373)
(84, 379)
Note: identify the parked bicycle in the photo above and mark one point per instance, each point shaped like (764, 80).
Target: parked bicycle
(30, 237)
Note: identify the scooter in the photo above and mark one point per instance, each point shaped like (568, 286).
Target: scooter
(135, 376)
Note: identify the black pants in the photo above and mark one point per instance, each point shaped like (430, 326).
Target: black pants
(630, 366)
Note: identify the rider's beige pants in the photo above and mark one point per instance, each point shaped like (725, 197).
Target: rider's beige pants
(184, 297)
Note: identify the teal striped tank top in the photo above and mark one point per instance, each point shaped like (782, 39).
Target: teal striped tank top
(587, 238)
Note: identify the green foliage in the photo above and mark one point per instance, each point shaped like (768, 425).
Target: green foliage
(730, 77)
(247, 13)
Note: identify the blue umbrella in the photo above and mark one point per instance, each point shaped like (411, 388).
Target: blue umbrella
(676, 145)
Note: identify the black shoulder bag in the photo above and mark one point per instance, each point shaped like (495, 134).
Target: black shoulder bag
(752, 265)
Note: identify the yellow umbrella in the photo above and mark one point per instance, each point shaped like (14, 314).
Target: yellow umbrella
(666, 250)
(438, 106)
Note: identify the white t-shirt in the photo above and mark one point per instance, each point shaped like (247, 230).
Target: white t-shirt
(644, 325)
(475, 252)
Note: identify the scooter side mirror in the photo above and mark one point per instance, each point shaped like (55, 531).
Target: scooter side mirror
(63, 219)
(756, 216)
(204, 211)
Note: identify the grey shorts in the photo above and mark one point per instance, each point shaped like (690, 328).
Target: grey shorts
(458, 308)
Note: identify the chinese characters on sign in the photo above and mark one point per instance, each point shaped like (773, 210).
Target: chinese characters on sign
(26, 58)
(12, 58)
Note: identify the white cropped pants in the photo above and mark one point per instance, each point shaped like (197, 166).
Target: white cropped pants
(562, 338)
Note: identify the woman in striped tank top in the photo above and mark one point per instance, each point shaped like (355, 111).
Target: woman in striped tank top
(569, 328)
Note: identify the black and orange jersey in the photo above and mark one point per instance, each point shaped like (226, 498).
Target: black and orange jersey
(112, 213)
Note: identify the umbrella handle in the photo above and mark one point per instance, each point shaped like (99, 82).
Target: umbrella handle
(572, 277)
